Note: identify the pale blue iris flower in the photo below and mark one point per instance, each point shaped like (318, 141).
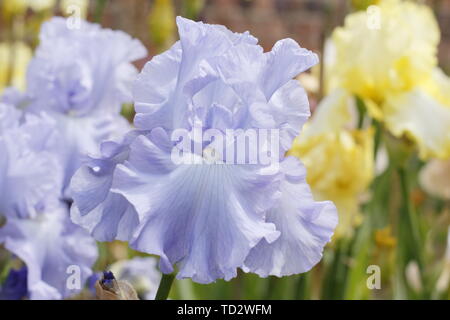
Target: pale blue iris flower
(30, 170)
(53, 249)
(76, 85)
(38, 229)
(81, 77)
(211, 219)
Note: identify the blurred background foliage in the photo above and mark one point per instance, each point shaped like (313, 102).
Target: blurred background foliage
(397, 223)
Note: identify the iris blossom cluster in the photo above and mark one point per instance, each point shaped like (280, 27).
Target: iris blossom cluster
(74, 171)
(209, 219)
(76, 84)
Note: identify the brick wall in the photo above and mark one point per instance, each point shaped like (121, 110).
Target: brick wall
(306, 21)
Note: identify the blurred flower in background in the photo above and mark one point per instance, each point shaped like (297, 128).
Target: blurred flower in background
(71, 7)
(14, 59)
(14, 7)
(363, 4)
(49, 245)
(393, 69)
(338, 158)
(388, 58)
(435, 178)
(77, 75)
(72, 101)
(15, 286)
(30, 173)
(141, 272)
(162, 24)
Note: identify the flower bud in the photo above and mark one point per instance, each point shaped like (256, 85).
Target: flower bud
(108, 288)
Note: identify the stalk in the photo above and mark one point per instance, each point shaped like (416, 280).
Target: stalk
(164, 286)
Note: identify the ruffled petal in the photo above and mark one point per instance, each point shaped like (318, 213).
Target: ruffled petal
(333, 114)
(154, 87)
(82, 138)
(107, 216)
(9, 117)
(289, 107)
(205, 218)
(159, 89)
(412, 114)
(285, 61)
(48, 245)
(305, 225)
(82, 71)
(394, 56)
(30, 172)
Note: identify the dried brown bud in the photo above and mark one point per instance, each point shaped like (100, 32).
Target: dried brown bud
(108, 288)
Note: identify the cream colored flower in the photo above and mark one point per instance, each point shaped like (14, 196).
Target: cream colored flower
(40, 5)
(339, 159)
(13, 7)
(423, 115)
(375, 62)
(14, 60)
(363, 4)
(422, 118)
(435, 178)
(70, 7)
(162, 23)
(393, 69)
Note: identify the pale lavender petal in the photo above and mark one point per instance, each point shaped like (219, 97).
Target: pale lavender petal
(107, 216)
(82, 138)
(82, 71)
(306, 226)
(159, 90)
(49, 245)
(285, 61)
(30, 171)
(203, 218)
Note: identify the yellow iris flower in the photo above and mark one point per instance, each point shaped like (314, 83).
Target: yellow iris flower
(162, 23)
(392, 55)
(68, 7)
(388, 57)
(339, 159)
(423, 115)
(363, 4)
(14, 60)
(13, 7)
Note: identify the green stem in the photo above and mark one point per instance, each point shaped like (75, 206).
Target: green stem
(361, 111)
(272, 282)
(303, 286)
(336, 273)
(5, 270)
(410, 216)
(409, 236)
(101, 4)
(377, 139)
(164, 286)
